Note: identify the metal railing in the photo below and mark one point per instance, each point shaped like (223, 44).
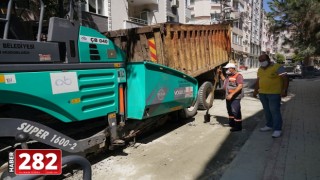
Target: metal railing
(138, 21)
(8, 16)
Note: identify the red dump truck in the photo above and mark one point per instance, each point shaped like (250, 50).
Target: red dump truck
(196, 50)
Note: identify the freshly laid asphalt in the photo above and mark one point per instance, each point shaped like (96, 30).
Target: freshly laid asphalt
(293, 156)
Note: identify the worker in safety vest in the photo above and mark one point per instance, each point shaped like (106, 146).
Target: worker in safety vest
(233, 85)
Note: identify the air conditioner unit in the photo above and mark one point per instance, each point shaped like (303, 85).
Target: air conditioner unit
(175, 3)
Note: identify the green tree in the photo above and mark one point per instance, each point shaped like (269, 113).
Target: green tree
(280, 58)
(297, 58)
(302, 19)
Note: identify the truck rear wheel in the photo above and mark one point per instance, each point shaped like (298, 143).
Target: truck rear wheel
(190, 111)
(204, 95)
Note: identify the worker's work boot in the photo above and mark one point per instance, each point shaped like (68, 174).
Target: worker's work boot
(231, 122)
(237, 126)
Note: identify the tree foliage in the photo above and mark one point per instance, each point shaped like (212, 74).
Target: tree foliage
(302, 19)
(280, 58)
(297, 58)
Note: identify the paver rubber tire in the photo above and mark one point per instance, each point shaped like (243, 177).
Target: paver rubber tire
(203, 94)
(189, 112)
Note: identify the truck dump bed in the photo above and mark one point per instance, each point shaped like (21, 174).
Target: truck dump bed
(191, 49)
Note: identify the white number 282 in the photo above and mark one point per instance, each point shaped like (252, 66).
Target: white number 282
(38, 161)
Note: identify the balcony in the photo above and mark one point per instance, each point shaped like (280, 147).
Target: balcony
(235, 15)
(215, 3)
(138, 21)
(142, 2)
(132, 24)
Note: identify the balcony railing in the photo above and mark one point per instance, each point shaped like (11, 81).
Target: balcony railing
(138, 21)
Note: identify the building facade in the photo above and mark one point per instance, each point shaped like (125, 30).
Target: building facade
(245, 17)
(205, 12)
(124, 14)
(256, 27)
(268, 45)
(238, 32)
(284, 49)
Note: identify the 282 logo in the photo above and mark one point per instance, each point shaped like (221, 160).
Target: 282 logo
(38, 161)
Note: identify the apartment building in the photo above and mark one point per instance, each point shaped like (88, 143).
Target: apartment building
(124, 14)
(245, 17)
(284, 49)
(256, 27)
(239, 14)
(205, 12)
(238, 31)
(267, 41)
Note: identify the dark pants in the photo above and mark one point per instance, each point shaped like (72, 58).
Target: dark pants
(271, 106)
(234, 109)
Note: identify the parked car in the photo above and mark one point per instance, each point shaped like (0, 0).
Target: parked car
(243, 67)
(294, 71)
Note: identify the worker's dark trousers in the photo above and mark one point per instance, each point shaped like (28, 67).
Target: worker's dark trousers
(234, 112)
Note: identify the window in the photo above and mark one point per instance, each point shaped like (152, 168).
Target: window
(95, 6)
(234, 38)
(144, 15)
(236, 5)
(170, 19)
(227, 15)
(215, 16)
(215, 1)
(236, 24)
(192, 1)
(240, 40)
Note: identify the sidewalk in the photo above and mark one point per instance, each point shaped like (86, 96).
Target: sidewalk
(295, 155)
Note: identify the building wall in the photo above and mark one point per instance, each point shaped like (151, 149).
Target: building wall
(119, 14)
(202, 8)
(247, 28)
(237, 8)
(127, 14)
(285, 50)
(184, 13)
(266, 37)
(256, 23)
(246, 33)
(201, 11)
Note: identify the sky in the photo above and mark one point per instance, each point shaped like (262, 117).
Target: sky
(265, 5)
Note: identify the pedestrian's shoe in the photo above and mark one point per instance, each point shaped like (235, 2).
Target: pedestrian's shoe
(265, 129)
(237, 126)
(231, 122)
(276, 134)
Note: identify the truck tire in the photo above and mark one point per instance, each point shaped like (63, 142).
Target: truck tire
(204, 92)
(189, 112)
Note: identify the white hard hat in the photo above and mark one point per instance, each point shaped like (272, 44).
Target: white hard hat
(230, 65)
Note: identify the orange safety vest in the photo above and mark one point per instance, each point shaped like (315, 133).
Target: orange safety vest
(232, 83)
